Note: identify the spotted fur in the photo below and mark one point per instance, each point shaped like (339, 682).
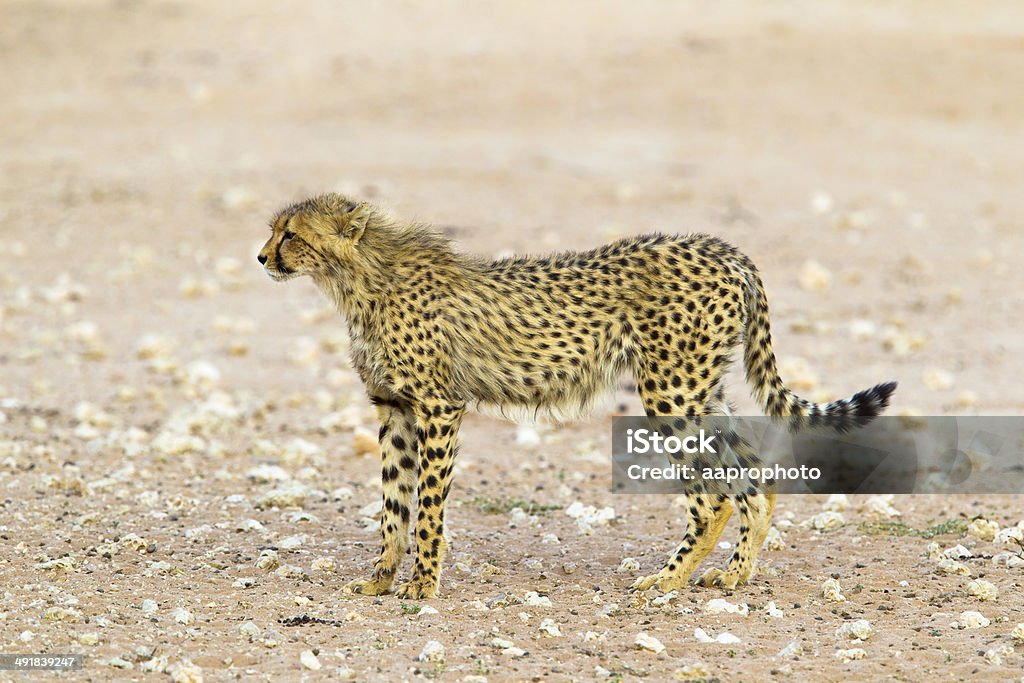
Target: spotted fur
(434, 331)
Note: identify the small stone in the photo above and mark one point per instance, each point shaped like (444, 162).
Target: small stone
(972, 619)
(825, 521)
(994, 656)
(697, 670)
(534, 599)
(1018, 633)
(433, 651)
(851, 654)
(832, 591)
(629, 564)
(549, 628)
(881, 506)
(149, 606)
(249, 630)
(794, 649)
(983, 529)
(649, 643)
(860, 629)
(183, 616)
(309, 660)
(186, 672)
(720, 606)
(983, 590)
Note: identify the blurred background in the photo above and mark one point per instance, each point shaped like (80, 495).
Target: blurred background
(866, 155)
(869, 148)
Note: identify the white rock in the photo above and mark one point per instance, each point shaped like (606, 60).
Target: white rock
(549, 628)
(832, 591)
(588, 517)
(433, 651)
(186, 672)
(774, 540)
(957, 552)
(695, 671)
(250, 630)
(794, 649)
(994, 656)
(649, 643)
(859, 630)
(629, 564)
(1018, 633)
(534, 599)
(149, 606)
(825, 521)
(851, 654)
(290, 495)
(724, 638)
(952, 567)
(183, 616)
(1012, 535)
(983, 529)
(972, 619)
(720, 606)
(772, 611)
(310, 661)
(983, 590)
(881, 506)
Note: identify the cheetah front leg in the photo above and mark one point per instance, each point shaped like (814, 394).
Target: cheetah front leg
(398, 476)
(437, 427)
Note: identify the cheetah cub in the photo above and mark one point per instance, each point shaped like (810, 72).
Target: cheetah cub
(433, 330)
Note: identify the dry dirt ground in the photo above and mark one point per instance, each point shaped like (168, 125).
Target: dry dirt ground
(157, 387)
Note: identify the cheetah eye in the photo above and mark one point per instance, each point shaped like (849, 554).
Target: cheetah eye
(287, 236)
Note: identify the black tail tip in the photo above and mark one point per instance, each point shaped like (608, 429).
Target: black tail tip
(873, 401)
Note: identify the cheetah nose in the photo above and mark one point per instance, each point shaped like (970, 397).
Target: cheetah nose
(262, 258)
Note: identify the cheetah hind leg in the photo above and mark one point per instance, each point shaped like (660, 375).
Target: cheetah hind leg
(755, 520)
(706, 518)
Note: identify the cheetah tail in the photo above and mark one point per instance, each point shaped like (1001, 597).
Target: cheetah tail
(777, 399)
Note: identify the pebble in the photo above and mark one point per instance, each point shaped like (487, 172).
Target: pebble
(851, 654)
(648, 643)
(433, 651)
(972, 619)
(309, 660)
(832, 591)
(982, 590)
(983, 529)
(860, 629)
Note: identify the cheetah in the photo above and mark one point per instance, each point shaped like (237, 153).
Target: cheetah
(434, 331)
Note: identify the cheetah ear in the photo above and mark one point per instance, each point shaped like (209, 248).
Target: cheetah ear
(352, 224)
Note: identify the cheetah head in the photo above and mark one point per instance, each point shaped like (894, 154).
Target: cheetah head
(309, 236)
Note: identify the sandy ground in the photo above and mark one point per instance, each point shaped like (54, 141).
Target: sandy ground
(156, 387)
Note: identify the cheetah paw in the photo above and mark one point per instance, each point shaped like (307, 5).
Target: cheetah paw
(417, 589)
(662, 581)
(376, 586)
(721, 579)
